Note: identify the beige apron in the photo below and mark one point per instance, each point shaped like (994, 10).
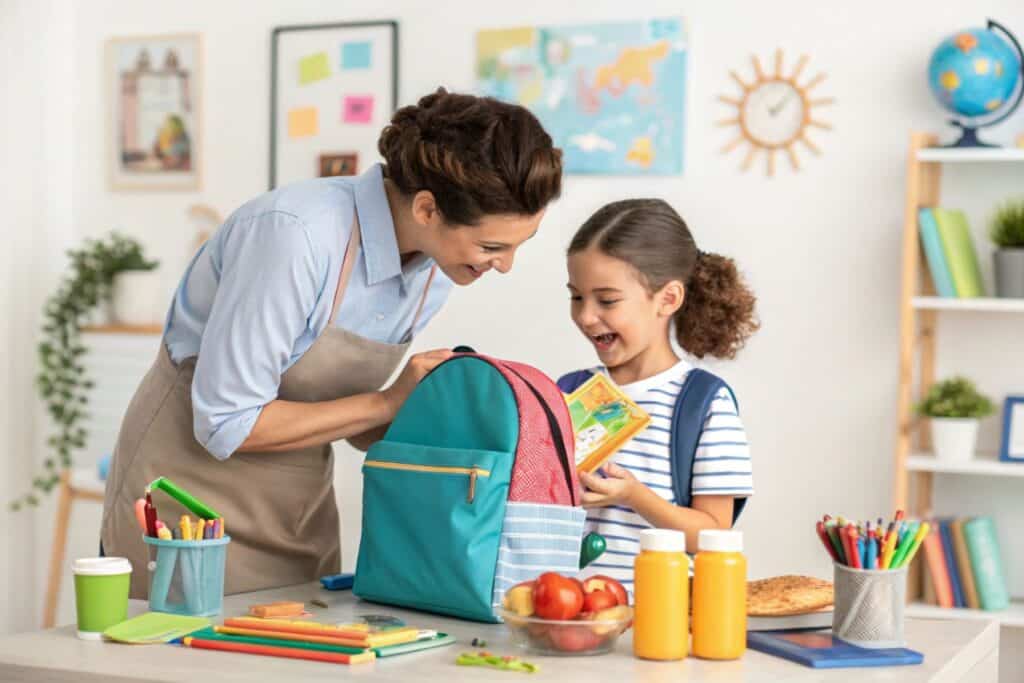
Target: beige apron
(278, 508)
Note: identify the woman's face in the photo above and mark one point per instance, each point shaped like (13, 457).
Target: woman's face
(465, 252)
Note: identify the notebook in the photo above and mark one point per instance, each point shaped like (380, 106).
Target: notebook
(822, 650)
(958, 248)
(155, 627)
(603, 420)
(934, 255)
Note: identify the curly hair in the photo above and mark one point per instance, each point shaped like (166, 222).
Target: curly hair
(718, 312)
(477, 156)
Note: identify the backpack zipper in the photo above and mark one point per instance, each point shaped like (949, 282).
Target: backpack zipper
(472, 472)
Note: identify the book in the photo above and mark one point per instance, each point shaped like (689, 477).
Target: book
(958, 248)
(603, 420)
(963, 564)
(815, 620)
(822, 650)
(983, 547)
(950, 560)
(937, 567)
(928, 596)
(933, 254)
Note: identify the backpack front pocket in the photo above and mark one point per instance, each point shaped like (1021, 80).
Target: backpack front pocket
(431, 527)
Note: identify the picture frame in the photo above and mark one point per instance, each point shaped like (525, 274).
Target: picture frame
(332, 87)
(342, 163)
(1012, 446)
(154, 93)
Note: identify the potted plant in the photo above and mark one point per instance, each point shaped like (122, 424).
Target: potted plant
(1007, 232)
(62, 380)
(954, 406)
(136, 292)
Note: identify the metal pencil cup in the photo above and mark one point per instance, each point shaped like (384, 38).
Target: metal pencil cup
(187, 576)
(869, 606)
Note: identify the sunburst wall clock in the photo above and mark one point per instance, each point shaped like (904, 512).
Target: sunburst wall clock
(774, 113)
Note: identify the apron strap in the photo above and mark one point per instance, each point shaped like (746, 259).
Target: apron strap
(346, 267)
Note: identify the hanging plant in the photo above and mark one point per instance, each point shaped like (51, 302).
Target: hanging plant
(62, 381)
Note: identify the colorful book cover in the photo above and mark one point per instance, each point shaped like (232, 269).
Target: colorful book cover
(963, 563)
(932, 245)
(822, 650)
(983, 547)
(937, 567)
(958, 248)
(950, 559)
(928, 596)
(603, 420)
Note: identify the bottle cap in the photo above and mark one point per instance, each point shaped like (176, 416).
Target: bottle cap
(101, 566)
(720, 540)
(663, 540)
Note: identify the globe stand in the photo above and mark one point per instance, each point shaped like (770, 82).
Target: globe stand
(969, 133)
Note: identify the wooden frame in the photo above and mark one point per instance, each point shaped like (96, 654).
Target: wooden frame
(275, 72)
(1012, 428)
(122, 94)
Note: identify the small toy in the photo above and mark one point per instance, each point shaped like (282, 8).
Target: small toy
(318, 602)
(506, 663)
(479, 642)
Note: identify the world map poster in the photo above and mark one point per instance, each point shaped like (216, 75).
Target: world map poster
(611, 95)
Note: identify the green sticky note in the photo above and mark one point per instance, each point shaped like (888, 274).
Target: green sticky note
(314, 68)
(155, 627)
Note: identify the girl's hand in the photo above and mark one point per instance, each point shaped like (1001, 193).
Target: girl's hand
(617, 487)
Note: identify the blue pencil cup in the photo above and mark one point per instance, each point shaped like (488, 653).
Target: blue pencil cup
(187, 576)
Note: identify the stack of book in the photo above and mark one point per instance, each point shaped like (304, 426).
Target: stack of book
(949, 250)
(963, 565)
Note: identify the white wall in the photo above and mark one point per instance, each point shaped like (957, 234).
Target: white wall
(821, 248)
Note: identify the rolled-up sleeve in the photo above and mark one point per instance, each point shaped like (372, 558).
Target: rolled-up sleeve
(269, 285)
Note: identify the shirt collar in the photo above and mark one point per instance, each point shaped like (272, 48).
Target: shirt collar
(380, 243)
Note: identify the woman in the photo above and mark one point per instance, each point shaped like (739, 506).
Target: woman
(288, 322)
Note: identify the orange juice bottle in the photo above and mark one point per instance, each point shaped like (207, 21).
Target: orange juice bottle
(719, 595)
(661, 595)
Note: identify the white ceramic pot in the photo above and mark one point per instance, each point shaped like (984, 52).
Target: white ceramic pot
(137, 297)
(954, 438)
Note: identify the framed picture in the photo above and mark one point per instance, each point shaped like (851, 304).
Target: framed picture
(332, 86)
(337, 164)
(154, 95)
(1012, 449)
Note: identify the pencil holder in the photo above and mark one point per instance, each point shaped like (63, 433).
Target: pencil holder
(869, 606)
(187, 577)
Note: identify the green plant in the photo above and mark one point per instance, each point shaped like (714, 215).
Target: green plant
(1007, 226)
(955, 397)
(62, 381)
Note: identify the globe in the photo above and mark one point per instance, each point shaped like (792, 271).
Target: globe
(974, 73)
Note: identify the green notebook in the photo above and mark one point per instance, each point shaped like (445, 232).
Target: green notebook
(958, 248)
(983, 546)
(155, 627)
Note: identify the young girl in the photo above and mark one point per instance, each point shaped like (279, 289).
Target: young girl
(635, 275)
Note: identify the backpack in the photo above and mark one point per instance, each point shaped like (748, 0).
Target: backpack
(698, 391)
(472, 490)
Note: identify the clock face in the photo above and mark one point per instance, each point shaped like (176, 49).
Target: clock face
(773, 113)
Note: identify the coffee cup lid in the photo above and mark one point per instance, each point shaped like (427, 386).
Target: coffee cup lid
(101, 566)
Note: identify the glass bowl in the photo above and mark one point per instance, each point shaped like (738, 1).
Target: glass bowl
(584, 636)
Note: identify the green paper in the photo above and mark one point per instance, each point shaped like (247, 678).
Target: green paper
(155, 627)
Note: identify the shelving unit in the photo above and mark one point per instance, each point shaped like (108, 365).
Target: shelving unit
(915, 467)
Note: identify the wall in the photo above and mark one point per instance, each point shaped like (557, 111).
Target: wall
(821, 247)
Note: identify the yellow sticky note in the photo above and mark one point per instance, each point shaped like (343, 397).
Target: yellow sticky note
(314, 68)
(303, 122)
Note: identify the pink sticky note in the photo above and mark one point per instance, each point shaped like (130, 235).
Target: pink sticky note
(357, 109)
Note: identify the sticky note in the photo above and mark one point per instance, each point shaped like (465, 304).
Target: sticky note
(355, 55)
(303, 122)
(314, 68)
(357, 109)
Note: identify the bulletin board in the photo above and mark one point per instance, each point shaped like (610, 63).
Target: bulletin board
(333, 87)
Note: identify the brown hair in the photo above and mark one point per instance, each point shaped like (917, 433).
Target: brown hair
(476, 155)
(717, 316)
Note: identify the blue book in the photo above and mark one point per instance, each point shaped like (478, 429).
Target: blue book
(933, 253)
(950, 556)
(822, 650)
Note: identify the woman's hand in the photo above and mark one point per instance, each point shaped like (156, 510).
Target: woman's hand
(415, 370)
(617, 487)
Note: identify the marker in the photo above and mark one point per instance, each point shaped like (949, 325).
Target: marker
(919, 537)
(903, 548)
(889, 546)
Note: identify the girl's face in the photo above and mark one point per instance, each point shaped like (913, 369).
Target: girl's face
(613, 308)
(465, 252)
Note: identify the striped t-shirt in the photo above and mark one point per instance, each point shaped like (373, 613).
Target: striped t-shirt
(721, 465)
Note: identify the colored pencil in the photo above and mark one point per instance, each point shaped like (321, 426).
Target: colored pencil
(273, 651)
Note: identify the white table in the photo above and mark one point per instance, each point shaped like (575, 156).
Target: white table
(953, 650)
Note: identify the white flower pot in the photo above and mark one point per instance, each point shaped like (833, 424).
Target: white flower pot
(953, 438)
(137, 296)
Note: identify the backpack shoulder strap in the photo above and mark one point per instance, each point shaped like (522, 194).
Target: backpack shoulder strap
(695, 397)
(574, 380)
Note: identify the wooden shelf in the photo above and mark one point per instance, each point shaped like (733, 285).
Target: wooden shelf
(981, 465)
(123, 329)
(979, 304)
(953, 155)
(1011, 616)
